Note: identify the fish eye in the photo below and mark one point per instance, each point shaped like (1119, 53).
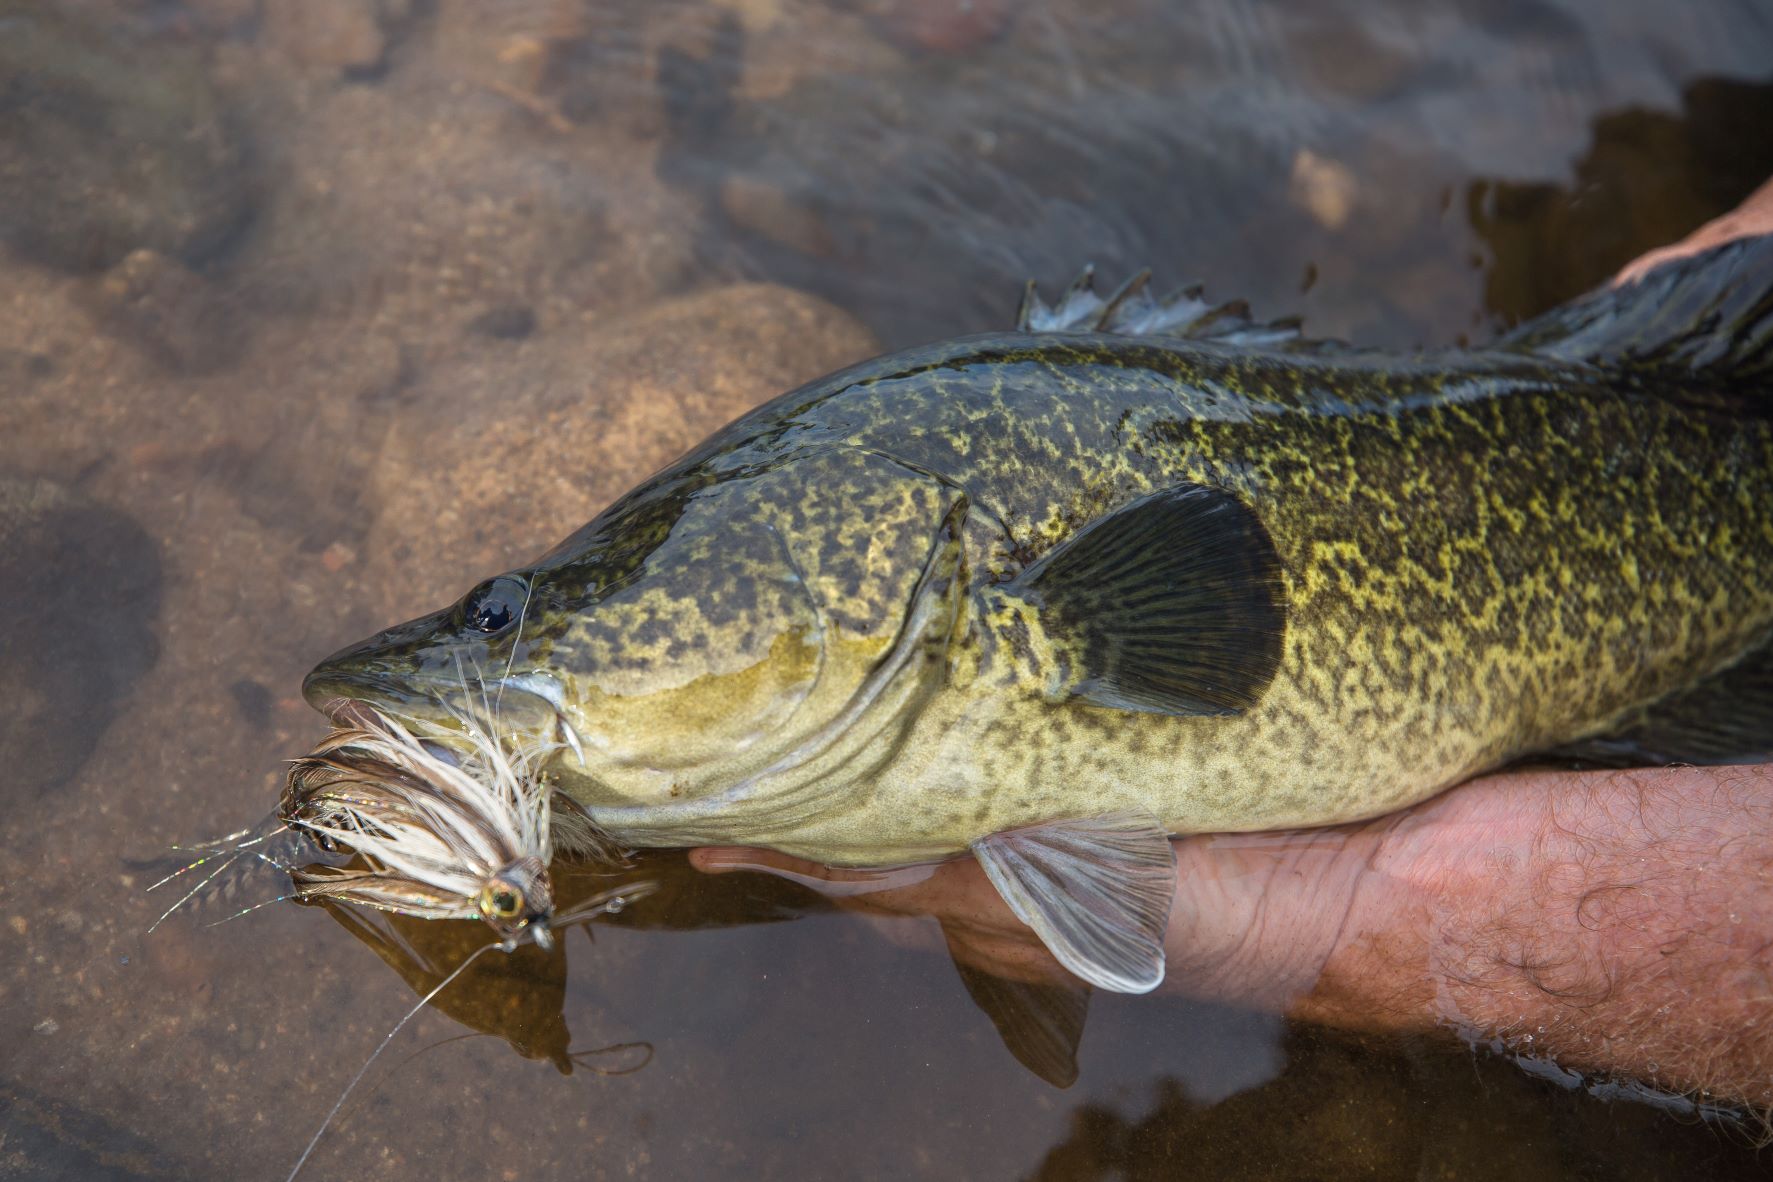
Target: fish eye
(502, 901)
(495, 605)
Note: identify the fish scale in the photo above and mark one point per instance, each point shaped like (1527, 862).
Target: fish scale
(1143, 568)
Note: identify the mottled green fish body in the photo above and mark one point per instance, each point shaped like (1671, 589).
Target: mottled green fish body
(1113, 584)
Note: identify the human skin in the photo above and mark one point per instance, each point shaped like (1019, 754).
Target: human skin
(1753, 217)
(1616, 922)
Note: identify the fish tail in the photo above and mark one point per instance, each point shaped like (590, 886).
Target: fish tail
(1708, 315)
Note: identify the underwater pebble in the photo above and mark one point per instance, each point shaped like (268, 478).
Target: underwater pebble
(163, 308)
(337, 557)
(1324, 188)
(330, 34)
(109, 143)
(469, 485)
(506, 322)
(945, 26)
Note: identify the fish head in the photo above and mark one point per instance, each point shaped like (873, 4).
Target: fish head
(725, 628)
(437, 672)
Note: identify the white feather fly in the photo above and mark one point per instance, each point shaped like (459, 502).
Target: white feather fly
(438, 836)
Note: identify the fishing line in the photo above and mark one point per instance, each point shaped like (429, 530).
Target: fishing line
(355, 1079)
(594, 906)
(249, 910)
(529, 590)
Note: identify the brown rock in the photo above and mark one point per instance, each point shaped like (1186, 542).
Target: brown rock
(107, 146)
(163, 308)
(766, 209)
(329, 34)
(945, 26)
(501, 455)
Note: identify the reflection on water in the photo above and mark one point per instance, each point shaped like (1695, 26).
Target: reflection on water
(1647, 176)
(317, 310)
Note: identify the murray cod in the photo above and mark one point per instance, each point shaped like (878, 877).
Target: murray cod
(1144, 568)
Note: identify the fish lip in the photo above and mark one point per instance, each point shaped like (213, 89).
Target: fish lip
(425, 705)
(327, 689)
(344, 712)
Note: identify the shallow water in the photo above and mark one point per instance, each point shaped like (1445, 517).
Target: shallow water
(318, 311)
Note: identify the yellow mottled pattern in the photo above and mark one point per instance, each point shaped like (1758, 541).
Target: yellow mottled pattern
(796, 636)
(1480, 559)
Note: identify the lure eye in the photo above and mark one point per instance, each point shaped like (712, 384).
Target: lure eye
(496, 604)
(502, 902)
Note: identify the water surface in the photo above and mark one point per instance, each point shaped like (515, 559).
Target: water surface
(316, 313)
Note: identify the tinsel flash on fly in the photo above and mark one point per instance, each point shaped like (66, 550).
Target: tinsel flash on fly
(437, 836)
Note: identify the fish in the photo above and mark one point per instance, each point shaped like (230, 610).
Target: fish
(1143, 567)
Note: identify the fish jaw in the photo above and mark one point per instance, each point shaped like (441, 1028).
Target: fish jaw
(438, 712)
(431, 678)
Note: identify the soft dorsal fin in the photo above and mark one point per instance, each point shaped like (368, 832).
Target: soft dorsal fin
(1096, 891)
(1710, 314)
(1171, 604)
(1132, 311)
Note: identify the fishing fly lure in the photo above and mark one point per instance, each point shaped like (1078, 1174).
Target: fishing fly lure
(438, 835)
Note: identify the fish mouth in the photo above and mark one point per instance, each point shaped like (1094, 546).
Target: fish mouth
(526, 708)
(343, 696)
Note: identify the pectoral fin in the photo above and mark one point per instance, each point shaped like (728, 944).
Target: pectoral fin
(1096, 891)
(1171, 604)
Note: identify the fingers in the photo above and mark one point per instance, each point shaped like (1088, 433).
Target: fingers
(831, 881)
(979, 928)
(724, 859)
(1753, 217)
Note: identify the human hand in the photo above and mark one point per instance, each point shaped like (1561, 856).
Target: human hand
(1753, 217)
(1511, 907)
(980, 929)
(1256, 917)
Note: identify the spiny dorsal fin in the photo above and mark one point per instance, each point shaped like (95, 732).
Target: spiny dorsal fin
(1132, 311)
(1171, 604)
(1709, 314)
(1096, 891)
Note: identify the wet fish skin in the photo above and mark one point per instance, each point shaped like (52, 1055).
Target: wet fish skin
(809, 633)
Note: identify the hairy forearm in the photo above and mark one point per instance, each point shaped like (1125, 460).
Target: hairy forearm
(1619, 922)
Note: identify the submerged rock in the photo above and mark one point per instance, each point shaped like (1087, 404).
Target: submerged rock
(109, 145)
(507, 451)
(341, 35)
(165, 309)
(80, 593)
